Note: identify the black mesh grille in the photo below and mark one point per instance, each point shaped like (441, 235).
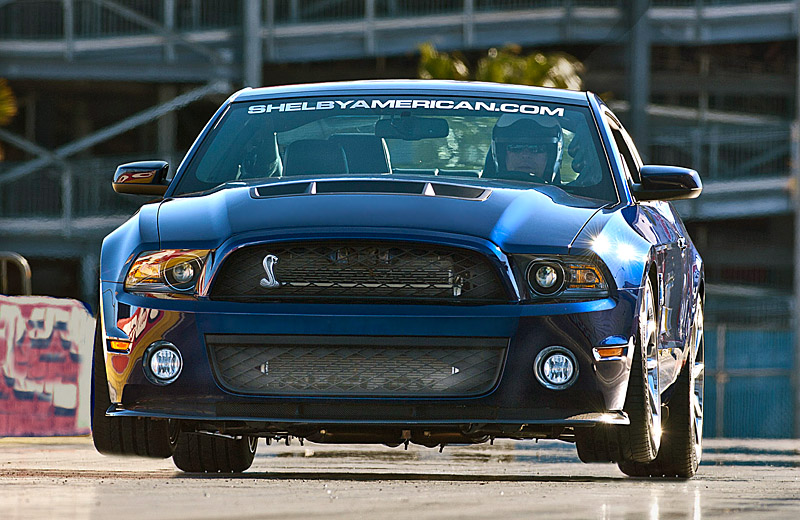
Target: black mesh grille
(357, 366)
(352, 271)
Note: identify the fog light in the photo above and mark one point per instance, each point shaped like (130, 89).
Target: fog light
(162, 363)
(556, 368)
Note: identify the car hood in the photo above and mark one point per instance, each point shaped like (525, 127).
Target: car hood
(543, 219)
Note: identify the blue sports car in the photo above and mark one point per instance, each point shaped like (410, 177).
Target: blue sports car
(399, 262)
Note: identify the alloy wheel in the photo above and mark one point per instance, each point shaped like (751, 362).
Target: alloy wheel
(648, 330)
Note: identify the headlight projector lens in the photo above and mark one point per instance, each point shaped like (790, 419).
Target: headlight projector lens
(162, 363)
(545, 277)
(182, 276)
(556, 368)
(183, 273)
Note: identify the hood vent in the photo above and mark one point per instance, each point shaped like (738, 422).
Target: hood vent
(367, 186)
(280, 190)
(383, 187)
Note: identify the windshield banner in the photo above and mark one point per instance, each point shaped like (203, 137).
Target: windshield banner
(407, 104)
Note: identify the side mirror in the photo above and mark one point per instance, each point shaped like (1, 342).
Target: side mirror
(667, 183)
(142, 178)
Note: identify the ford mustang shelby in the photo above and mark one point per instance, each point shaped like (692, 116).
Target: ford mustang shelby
(403, 261)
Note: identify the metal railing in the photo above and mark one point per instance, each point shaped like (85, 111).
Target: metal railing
(72, 190)
(194, 15)
(724, 153)
(36, 19)
(53, 19)
(503, 5)
(95, 20)
(292, 11)
(748, 101)
(401, 9)
(705, 3)
(24, 268)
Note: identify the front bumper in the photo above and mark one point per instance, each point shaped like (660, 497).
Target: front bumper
(516, 398)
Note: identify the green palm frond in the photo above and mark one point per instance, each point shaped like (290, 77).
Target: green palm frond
(506, 65)
(441, 65)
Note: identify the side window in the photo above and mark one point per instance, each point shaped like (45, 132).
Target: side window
(628, 157)
(632, 147)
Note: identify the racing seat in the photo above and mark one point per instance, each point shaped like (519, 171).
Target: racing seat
(489, 168)
(365, 153)
(314, 156)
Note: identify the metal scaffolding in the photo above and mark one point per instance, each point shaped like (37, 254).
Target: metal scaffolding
(194, 40)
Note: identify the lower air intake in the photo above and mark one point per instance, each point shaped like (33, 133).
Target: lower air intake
(356, 366)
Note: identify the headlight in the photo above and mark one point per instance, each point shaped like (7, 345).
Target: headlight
(545, 277)
(167, 271)
(562, 277)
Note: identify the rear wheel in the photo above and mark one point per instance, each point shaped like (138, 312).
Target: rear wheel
(640, 441)
(204, 453)
(682, 445)
(139, 436)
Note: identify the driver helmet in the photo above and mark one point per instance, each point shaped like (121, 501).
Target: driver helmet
(529, 144)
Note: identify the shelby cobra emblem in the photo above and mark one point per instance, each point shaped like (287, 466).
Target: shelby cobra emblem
(269, 282)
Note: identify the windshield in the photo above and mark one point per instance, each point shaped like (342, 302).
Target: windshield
(472, 140)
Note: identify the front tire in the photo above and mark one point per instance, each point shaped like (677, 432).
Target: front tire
(137, 436)
(204, 453)
(682, 446)
(639, 442)
(598, 444)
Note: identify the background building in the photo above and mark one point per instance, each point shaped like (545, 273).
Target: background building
(709, 84)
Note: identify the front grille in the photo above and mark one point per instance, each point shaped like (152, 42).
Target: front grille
(358, 271)
(356, 365)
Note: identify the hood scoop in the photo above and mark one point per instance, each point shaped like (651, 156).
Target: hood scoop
(382, 187)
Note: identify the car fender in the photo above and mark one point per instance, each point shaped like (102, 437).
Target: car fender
(139, 233)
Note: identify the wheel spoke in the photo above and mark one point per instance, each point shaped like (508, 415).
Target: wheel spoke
(698, 434)
(698, 379)
(698, 407)
(655, 396)
(650, 330)
(650, 339)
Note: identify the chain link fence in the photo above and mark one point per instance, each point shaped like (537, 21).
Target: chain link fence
(749, 351)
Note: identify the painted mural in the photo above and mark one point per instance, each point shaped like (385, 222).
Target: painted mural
(45, 366)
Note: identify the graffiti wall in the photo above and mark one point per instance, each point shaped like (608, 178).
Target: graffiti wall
(45, 365)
